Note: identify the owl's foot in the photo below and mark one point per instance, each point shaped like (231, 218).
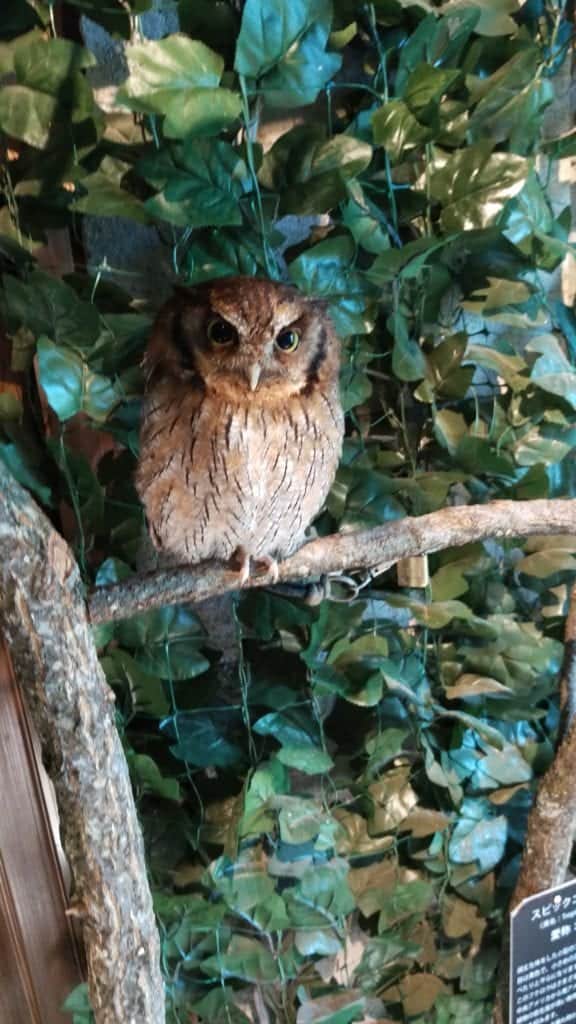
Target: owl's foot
(266, 565)
(245, 566)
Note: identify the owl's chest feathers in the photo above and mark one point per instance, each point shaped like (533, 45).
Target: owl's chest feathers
(225, 474)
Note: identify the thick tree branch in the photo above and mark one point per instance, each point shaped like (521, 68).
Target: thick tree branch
(552, 818)
(382, 546)
(43, 616)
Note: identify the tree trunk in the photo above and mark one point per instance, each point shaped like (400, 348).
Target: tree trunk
(43, 616)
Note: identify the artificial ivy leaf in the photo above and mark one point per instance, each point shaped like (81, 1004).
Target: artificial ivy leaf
(200, 112)
(326, 270)
(396, 128)
(505, 98)
(201, 739)
(71, 387)
(27, 114)
(425, 88)
(246, 958)
(471, 685)
(218, 1006)
(562, 146)
(52, 66)
(419, 992)
(495, 17)
(473, 184)
(268, 31)
(104, 195)
(310, 171)
(202, 182)
(20, 461)
(49, 306)
(477, 837)
(436, 42)
(408, 360)
(365, 222)
(149, 778)
(146, 690)
(477, 456)
(336, 1008)
(165, 642)
(552, 371)
(285, 42)
(450, 428)
(175, 64)
(324, 887)
(403, 901)
(305, 758)
(178, 77)
(504, 767)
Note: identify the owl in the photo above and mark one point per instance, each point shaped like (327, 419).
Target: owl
(242, 424)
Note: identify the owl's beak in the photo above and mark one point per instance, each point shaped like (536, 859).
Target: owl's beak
(254, 376)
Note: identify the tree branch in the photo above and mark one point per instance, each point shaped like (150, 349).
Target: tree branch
(43, 616)
(552, 818)
(342, 552)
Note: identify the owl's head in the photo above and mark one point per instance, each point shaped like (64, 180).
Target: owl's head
(242, 337)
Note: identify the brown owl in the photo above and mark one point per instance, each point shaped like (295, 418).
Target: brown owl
(242, 423)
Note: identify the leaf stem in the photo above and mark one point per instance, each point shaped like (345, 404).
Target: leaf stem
(247, 119)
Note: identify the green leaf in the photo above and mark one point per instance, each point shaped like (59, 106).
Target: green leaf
(52, 66)
(305, 157)
(105, 196)
(305, 758)
(408, 362)
(472, 185)
(504, 767)
(326, 271)
(27, 115)
(165, 642)
(149, 778)
(562, 146)
(336, 1008)
(285, 41)
(436, 42)
(245, 958)
(49, 306)
(25, 470)
(425, 88)
(174, 64)
(202, 183)
(552, 371)
(200, 112)
(478, 838)
(396, 128)
(202, 739)
(71, 387)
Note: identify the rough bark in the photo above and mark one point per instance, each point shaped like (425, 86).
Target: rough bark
(43, 616)
(552, 818)
(380, 547)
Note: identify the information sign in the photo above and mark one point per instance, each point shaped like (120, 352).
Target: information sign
(543, 958)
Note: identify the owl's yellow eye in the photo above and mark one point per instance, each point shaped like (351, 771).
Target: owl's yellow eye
(220, 332)
(288, 340)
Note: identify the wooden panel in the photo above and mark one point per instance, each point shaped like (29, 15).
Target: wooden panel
(39, 961)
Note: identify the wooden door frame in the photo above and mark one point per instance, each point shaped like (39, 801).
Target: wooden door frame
(40, 960)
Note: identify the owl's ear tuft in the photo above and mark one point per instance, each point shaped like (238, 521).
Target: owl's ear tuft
(194, 295)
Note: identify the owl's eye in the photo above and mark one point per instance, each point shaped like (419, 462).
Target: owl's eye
(220, 332)
(288, 341)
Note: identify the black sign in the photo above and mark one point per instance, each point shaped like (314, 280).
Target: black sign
(543, 958)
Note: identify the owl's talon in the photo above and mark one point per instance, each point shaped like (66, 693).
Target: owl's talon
(240, 563)
(266, 564)
(245, 566)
